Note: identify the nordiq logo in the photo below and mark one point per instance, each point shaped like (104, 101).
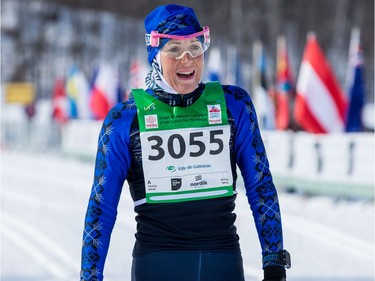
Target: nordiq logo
(151, 121)
(171, 168)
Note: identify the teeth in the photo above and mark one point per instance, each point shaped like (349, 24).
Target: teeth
(186, 73)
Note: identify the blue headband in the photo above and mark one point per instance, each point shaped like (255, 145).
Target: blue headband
(170, 19)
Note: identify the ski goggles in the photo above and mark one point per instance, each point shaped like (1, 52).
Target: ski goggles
(178, 45)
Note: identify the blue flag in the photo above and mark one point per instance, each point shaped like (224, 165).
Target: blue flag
(357, 96)
(356, 90)
(215, 65)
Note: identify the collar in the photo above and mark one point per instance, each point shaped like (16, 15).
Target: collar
(178, 99)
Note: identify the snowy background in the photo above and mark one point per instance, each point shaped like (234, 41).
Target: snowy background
(43, 203)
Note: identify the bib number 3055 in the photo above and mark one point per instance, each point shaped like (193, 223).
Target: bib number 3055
(185, 144)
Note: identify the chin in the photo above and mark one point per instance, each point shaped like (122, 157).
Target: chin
(187, 89)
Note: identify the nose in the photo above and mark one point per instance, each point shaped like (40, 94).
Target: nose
(183, 56)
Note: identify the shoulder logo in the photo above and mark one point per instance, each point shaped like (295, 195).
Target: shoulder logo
(214, 114)
(151, 121)
(150, 107)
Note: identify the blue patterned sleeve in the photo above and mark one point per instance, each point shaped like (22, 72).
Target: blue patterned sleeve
(253, 164)
(112, 162)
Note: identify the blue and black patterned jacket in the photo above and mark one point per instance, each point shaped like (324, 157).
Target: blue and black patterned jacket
(194, 225)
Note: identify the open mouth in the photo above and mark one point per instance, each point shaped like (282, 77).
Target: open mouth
(185, 75)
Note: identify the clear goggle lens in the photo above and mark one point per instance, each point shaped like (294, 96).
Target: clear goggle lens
(194, 44)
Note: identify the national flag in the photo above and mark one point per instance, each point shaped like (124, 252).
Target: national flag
(238, 70)
(229, 75)
(136, 79)
(77, 90)
(283, 85)
(214, 65)
(262, 101)
(355, 84)
(105, 92)
(233, 74)
(320, 105)
(60, 103)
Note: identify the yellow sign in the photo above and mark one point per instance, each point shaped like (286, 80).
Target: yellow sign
(22, 92)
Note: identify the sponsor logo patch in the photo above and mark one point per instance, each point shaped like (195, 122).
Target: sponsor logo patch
(214, 114)
(151, 121)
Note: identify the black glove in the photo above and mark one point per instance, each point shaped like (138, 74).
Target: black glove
(274, 273)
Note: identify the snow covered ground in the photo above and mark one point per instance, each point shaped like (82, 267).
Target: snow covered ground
(43, 203)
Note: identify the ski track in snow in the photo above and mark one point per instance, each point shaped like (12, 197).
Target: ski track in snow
(44, 199)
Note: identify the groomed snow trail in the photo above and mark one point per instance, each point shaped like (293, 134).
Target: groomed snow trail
(43, 203)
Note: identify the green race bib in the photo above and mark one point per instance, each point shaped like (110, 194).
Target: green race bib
(185, 150)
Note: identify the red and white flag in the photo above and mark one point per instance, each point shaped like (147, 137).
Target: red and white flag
(60, 102)
(137, 72)
(104, 92)
(320, 105)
